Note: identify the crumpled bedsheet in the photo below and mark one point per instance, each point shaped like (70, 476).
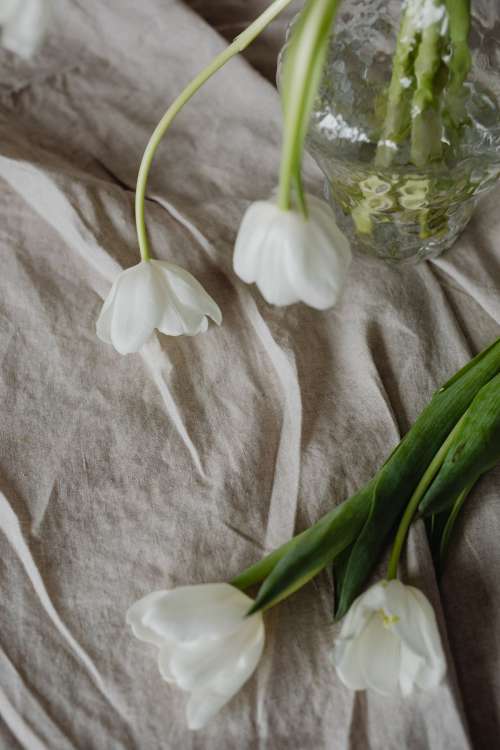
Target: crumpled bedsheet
(188, 461)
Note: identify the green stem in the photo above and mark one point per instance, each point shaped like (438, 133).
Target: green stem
(426, 134)
(423, 485)
(460, 24)
(240, 43)
(459, 64)
(303, 68)
(300, 195)
(397, 119)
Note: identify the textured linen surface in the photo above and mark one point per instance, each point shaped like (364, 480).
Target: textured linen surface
(186, 462)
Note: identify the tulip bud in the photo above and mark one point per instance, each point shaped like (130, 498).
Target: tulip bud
(154, 294)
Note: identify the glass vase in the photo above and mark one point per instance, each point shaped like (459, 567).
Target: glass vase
(389, 206)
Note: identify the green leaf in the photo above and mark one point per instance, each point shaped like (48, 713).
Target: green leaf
(475, 450)
(449, 527)
(469, 366)
(367, 518)
(318, 547)
(434, 526)
(399, 477)
(339, 572)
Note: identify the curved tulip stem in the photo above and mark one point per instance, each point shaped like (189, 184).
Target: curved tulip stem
(303, 68)
(422, 487)
(239, 44)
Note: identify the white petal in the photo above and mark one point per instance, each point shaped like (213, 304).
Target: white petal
(222, 664)
(251, 239)
(417, 628)
(230, 667)
(190, 293)
(167, 651)
(361, 610)
(25, 26)
(400, 603)
(246, 650)
(137, 613)
(192, 612)
(273, 279)
(348, 665)
(262, 251)
(380, 656)
(137, 307)
(411, 664)
(321, 262)
(433, 668)
(189, 303)
(346, 654)
(103, 325)
(178, 322)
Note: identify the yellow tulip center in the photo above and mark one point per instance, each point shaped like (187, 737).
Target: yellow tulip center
(388, 620)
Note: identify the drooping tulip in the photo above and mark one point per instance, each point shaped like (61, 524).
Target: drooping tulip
(292, 258)
(154, 294)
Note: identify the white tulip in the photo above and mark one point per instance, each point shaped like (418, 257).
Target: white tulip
(208, 646)
(390, 641)
(154, 294)
(24, 23)
(290, 258)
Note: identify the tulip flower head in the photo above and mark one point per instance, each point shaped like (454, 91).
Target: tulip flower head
(390, 642)
(154, 294)
(207, 645)
(23, 25)
(293, 258)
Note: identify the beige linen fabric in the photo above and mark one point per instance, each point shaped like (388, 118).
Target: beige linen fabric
(185, 463)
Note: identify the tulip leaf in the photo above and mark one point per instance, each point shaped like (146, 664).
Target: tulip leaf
(400, 476)
(475, 450)
(450, 525)
(367, 518)
(339, 572)
(469, 366)
(317, 549)
(440, 527)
